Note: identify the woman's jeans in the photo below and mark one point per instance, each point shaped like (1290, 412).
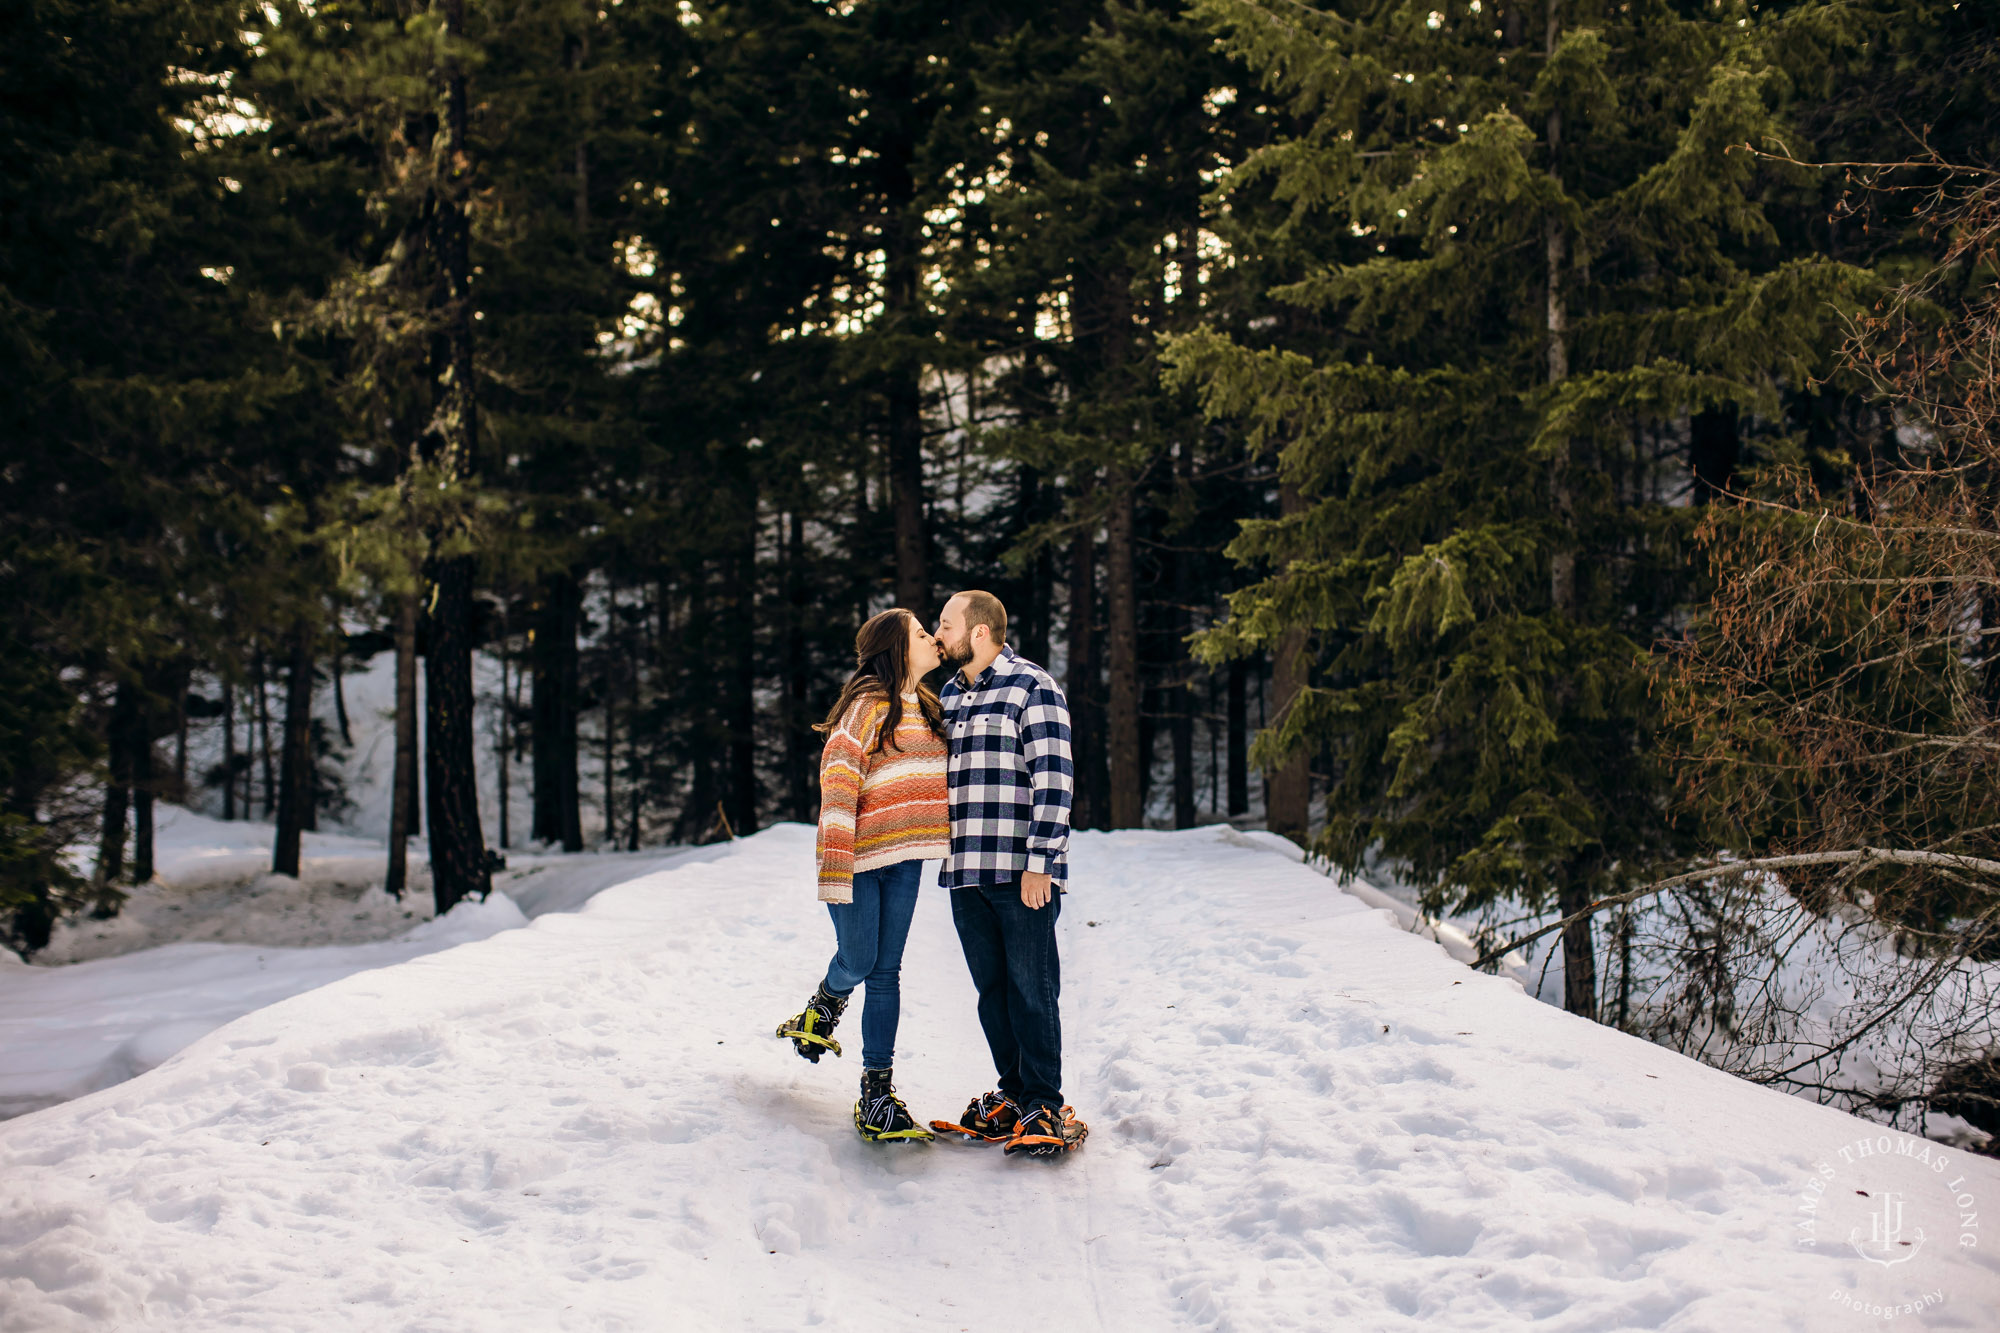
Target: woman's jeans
(871, 932)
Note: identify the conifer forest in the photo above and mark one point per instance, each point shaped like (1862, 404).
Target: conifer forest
(1543, 452)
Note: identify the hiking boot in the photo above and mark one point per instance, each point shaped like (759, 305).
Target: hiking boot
(811, 1029)
(880, 1115)
(989, 1117)
(1044, 1131)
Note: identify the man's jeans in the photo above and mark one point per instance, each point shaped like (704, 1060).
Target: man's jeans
(870, 932)
(1011, 951)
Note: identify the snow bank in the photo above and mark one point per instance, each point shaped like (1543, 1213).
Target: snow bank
(67, 1031)
(1303, 1118)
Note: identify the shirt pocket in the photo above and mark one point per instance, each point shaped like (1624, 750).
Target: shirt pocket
(996, 734)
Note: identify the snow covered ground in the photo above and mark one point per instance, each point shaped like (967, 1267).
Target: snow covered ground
(214, 937)
(1303, 1118)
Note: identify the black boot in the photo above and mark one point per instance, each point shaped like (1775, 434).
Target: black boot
(811, 1029)
(989, 1117)
(1047, 1131)
(880, 1114)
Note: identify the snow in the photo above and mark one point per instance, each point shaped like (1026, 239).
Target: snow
(215, 936)
(1303, 1117)
(67, 1031)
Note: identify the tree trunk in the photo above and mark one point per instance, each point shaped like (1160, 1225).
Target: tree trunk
(459, 868)
(1239, 738)
(704, 786)
(902, 320)
(906, 484)
(1287, 788)
(558, 798)
(1579, 954)
(264, 740)
(1086, 742)
(610, 712)
(1180, 709)
(457, 846)
(1579, 951)
(801, 752)
(741, 698)
(228, 750)
(145, 788)
(295, 769)
(338, 672)
(1714, 448)
(181, 738)
(500, 757)
(402, 792)
(118, 793)
(1122, 656)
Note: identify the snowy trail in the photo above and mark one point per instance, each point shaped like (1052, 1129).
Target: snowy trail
(1302, 1118)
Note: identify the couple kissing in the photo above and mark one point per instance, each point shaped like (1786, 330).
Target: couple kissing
(977, 775)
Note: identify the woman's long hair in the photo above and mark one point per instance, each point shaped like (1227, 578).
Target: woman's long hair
(881, 664)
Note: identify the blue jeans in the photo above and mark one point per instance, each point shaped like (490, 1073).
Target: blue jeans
(1011, 952)
(871, 932)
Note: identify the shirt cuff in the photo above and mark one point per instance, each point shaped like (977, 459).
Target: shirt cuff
(1041, 863)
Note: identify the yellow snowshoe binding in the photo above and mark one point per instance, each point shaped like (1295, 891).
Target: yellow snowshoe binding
(811, 1029)
(880, 1116)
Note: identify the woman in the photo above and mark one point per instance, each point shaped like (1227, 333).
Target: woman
(882, 815)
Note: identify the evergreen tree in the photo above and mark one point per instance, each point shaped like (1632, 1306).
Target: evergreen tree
(1538, 245)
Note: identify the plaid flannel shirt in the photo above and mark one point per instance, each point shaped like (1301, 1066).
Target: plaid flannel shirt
(1010, 778)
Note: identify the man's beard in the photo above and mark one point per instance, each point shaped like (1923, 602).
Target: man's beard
(954, 655)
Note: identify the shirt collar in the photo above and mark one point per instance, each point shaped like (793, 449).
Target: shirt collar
(1006, 655)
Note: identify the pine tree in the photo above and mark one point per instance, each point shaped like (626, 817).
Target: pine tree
(1530, 244)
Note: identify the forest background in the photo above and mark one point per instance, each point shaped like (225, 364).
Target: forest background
(1379, 415)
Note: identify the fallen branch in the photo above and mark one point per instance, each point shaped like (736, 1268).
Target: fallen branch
(1858, 858)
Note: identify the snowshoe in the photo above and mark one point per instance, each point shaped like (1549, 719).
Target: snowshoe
(880, 1115)
(988, 1119)
(1046, 1133)
(811, 1029)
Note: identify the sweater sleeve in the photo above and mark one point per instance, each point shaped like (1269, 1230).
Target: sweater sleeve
(842, 766)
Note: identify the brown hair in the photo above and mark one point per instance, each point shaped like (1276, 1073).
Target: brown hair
(983, 608)
(881, 664)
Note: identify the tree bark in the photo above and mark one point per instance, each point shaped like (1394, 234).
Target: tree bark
(558, 799)
(118, 793)
(1579, 951)
(457, 846)
(228, 750)
(295, 769)
(1238, 726)
(801, 768)
(611, 649)
(1288, 788)
(1086, 729)
(1122, 657)
(1180, 710)
(906, 484)
(740, 695)
(402, 792)
(459, 868)
(502, 724)
(338, 671)
(264, 739)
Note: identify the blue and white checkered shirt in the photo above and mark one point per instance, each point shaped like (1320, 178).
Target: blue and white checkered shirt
(1010, 776)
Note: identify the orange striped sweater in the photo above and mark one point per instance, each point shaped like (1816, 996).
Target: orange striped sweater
(880, 808)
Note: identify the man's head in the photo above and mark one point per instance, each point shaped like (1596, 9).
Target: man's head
(972, 628)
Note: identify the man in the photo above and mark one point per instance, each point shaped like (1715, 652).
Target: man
(1009, 782)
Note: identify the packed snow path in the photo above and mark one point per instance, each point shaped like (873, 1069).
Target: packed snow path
(1302, 1119)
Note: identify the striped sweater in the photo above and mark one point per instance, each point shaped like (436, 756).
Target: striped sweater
(883, 807)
